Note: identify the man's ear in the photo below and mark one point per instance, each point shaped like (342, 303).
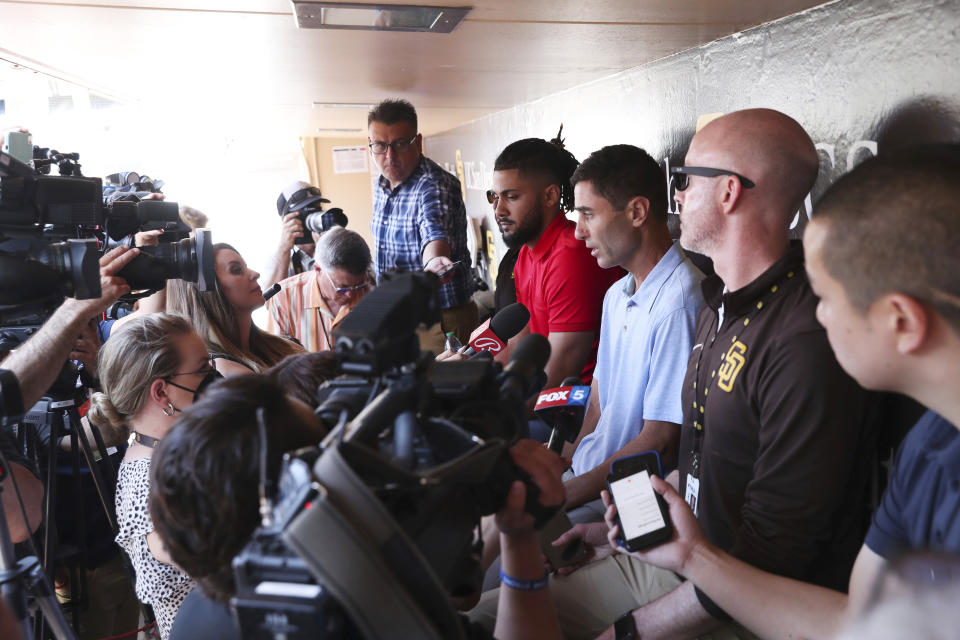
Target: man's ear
(638, 210)
(732, 190)
(550, 196)
(419, 143)
(907, 318)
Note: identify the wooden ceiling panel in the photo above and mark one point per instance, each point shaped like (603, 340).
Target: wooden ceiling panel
(231, 54)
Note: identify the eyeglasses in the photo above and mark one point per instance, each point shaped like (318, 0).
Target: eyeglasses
(680, 176)
(210, 366)
(398, 146)
(344, 290)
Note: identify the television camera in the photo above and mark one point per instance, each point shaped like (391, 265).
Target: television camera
(372, 533)
(53, 229)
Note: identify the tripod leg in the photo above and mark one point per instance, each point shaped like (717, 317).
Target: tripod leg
(110, 475)
(18, 607)
(50, 500)
(94, 469)
(52, 612)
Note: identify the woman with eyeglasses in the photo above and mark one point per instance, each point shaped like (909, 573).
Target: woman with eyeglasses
(224, 317)
(151, 368)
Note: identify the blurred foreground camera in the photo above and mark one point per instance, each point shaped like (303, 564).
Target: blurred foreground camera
(386, 510)
(34, 271)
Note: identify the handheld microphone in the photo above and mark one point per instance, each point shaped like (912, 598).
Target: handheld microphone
(526, 364)
(563, 408)
(494, 333)
(272, 291)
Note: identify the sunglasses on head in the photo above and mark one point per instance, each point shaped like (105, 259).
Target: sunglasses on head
(680, 176)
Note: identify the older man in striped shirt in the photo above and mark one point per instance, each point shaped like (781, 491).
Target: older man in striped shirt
(310, 305)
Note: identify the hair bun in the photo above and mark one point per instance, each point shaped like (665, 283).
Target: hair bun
(102, 412)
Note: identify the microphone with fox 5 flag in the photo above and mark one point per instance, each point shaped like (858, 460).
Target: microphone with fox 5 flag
(563, 408)
(494, 333)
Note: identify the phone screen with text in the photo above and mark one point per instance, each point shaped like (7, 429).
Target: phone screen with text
(637, 505)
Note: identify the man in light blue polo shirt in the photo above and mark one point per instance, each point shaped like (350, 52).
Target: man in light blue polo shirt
(647, 328)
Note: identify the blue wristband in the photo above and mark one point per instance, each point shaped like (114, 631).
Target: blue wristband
(525, 585)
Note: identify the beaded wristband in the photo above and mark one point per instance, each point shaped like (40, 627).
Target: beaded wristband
(525, 585)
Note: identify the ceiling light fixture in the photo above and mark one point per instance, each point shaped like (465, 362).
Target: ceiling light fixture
(342, 105)
(311, 14)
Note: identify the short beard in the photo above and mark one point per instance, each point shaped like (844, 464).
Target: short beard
(522, 234)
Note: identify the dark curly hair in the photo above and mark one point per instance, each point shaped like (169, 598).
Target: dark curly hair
(204, 475)
(535, 156)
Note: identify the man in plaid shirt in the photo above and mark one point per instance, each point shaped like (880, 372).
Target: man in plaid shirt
(419, 220)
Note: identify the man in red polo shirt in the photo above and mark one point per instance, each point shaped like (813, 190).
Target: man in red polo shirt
(556, 276)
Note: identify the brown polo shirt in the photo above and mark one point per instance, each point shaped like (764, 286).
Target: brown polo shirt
(776, 433)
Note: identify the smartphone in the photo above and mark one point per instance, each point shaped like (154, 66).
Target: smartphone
(642, 513)
(449, 270)
(568, 554)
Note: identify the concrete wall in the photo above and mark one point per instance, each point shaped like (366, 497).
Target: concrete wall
(860, 75)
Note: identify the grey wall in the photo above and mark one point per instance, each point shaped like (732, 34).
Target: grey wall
(860, 75)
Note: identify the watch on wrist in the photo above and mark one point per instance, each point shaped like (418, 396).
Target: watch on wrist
(625, 628)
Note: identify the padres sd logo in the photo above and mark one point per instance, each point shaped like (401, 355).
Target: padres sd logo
(732, 363)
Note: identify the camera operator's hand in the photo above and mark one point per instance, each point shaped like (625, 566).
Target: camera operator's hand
(276, 270)
(527, 611)
(545, 468)
(147, 238)
(86, 348)
(38, 361)
(291, 230)
(112, 286)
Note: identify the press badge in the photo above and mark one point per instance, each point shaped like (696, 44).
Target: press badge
(692, 492)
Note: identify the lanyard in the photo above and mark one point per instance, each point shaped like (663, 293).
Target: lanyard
(326, 333)
(700, 401)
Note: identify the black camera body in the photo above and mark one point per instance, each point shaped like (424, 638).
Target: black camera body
(306, 200)
(53, 230)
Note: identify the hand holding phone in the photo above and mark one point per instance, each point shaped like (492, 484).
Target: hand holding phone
(642, 513)
(570, 553)
(449, 269)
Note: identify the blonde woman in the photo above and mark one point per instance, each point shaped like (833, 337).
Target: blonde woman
(150, 369)
(224, 317)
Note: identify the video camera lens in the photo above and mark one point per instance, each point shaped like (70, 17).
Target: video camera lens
(70, 268)
(190, 259)
(126, 217)
(320, 221)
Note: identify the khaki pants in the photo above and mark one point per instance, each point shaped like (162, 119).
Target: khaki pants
(592, 598)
